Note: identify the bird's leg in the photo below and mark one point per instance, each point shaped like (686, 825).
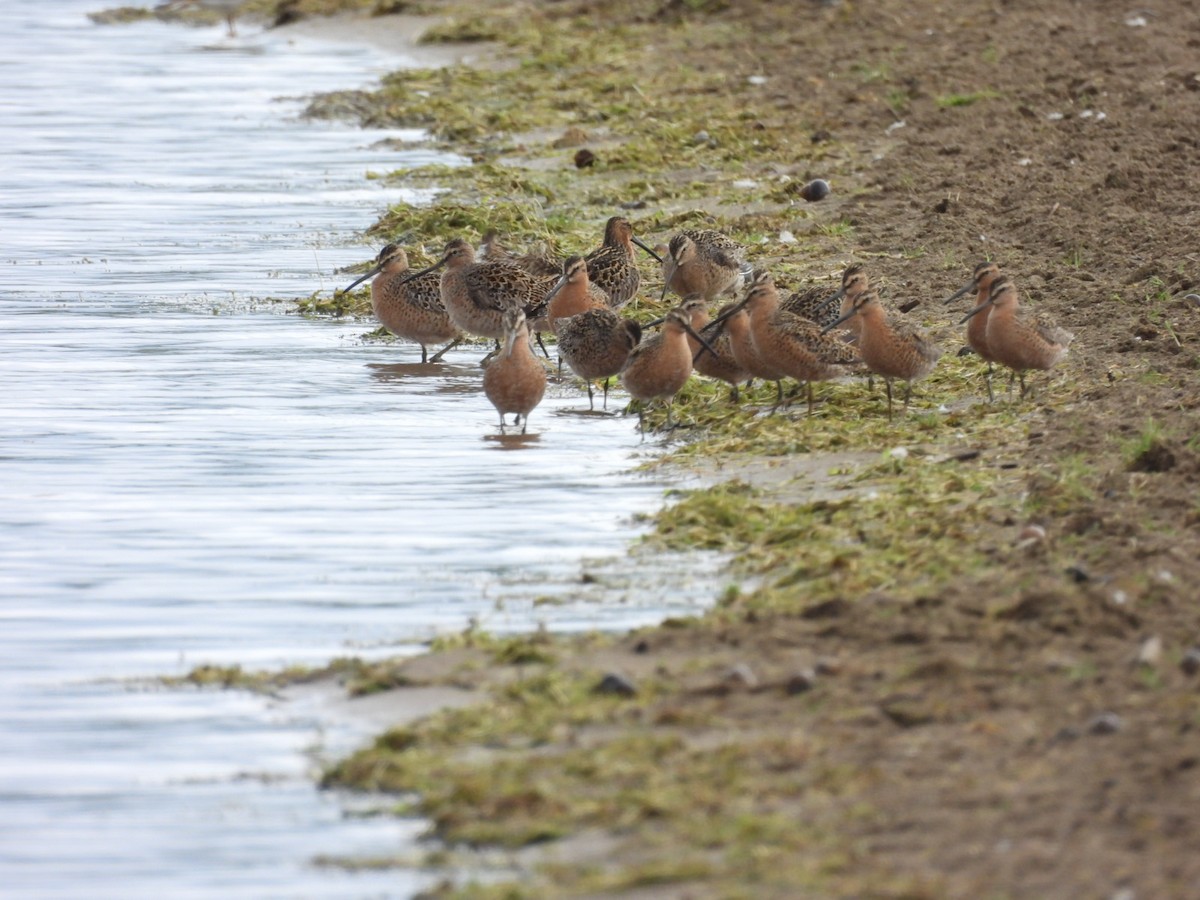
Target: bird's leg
(437, 357)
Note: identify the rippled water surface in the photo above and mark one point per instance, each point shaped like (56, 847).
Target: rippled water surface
(192, 474)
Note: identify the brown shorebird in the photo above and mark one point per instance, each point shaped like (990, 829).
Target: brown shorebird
(513, 379)
(1017, 341)
(596, 344)
(477, 294)
(720, 364)
(612, 267)
(411, 309)
(981, 282)
(790, 344)
(660, 365)
(854, 283)
(891, 346)
(538, 262)
(572, 293)
(736, 322)
(703, 262)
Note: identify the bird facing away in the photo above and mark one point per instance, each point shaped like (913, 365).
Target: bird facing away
(596, 344)
(891, 346)
(612, 267)
(477, 294)
(660, 365)
(721, 364)
(981, 282)
(703, 262)
(1019, 341)
(410, 310)
(514, 380)
(791, 344)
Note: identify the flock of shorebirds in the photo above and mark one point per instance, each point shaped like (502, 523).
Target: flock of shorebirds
(809, 336)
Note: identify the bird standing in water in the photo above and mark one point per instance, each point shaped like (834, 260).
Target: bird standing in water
(514, 380)
(410, 309)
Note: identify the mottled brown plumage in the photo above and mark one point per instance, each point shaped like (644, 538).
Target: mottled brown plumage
(612, 267)
(596, 344)
(410, 309)
(703, 262)
(477, 294)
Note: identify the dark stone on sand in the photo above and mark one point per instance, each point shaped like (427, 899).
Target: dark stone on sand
(1191, 661)
(802, 682)
(614, 683)
(1105, 723)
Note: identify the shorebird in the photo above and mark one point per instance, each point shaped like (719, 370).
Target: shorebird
(573, 293)
(596, 344)
(854, 283)
(891, 346)
(411, 310)
(536, 262)
(659, 366)
(981, 282)
(477, 294)
(612, 267)
(1018, 341)
(790, 344)
(703, 262)
(736, 321)
(227, 8)
(513, 379)
(719, 364)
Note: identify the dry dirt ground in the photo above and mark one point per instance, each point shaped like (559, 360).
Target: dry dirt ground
(1032, 729)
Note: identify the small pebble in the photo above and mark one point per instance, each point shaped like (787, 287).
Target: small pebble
(743, 675)
(1191, 661)
(817, 189)
(1193, 299)
(802, 681)
(1150, 652)
(584, 158)
(613, 683)
(1105, 723)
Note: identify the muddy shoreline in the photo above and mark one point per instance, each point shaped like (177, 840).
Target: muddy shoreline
(967, 669)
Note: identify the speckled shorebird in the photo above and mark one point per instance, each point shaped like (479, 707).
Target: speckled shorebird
(227, 8)
(981, 282)
(538, 262)
(788, 343)
(813, 303)
(411, 309)
(660, 365)
(513, 379)
(1018, 341)
(703, 262)
(721, 363)
(854, 283)
(477, 294)
(891, 346)
(612, 267)
(572, 293)
(596, 344)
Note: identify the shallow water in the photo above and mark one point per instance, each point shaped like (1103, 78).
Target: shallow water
(189, 474)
